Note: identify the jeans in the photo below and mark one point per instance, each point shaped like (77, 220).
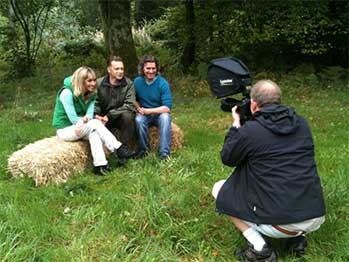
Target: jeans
(97, 134)
(163, 122)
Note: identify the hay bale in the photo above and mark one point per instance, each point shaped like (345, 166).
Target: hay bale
(154, 139)
(176, 137)
(50, 160)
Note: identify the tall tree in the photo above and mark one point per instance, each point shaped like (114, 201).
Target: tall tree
(118, 32)
(147, 10)
(32, 16)
(86, 13)
(188, 55)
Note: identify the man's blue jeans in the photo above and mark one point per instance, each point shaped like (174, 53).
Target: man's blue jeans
(163, 122)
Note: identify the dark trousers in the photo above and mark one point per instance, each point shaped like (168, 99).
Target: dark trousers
(123, 128)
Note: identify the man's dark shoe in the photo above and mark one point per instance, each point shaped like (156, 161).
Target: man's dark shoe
(164, 157)
(124, 152)
(140, 155)
(267, 254)
(121, 162)
(296, 245)
(101, 170)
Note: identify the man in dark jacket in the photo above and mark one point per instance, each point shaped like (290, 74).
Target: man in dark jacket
(275, 189)
(115, 101)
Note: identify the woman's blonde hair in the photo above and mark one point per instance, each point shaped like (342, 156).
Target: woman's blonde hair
(79, 77)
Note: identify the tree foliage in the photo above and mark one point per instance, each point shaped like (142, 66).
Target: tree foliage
(148, 10)
(31, 16)
(270, 34)
(87, 14)
(186, 35)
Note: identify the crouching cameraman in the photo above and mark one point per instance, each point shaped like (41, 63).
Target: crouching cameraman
(275, 190)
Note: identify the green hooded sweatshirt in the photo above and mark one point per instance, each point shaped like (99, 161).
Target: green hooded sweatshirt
(60, 117)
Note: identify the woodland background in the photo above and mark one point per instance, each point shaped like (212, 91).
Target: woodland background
(149, 210)
(269, 36)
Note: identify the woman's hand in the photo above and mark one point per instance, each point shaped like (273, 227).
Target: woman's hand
(78, 130)
(79, 125)
(103, 119)
(85, 119)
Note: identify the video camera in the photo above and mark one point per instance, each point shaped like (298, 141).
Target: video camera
(230, 76)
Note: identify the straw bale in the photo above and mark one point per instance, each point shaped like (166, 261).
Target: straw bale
(50, 160)
(176, 137)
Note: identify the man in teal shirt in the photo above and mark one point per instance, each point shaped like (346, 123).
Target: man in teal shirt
(155, 102)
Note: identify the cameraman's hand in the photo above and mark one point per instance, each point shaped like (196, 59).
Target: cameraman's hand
(236, 117)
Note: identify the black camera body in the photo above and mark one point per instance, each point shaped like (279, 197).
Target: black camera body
(243, 107)
(229, 76)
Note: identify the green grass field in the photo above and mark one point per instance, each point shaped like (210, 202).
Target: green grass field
(154, 211)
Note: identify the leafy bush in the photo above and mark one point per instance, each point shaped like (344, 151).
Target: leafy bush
(4, 67)
(334, 76)
(79, 47)
(304, 68)
(264, 75)
(165, 38)
(202, 69)
(142, 40)
(146, 45)
(190, 86)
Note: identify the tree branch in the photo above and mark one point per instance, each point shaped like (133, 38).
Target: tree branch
(42, 30)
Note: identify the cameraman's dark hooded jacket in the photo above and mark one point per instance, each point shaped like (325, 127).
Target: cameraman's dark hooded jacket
(275, 180)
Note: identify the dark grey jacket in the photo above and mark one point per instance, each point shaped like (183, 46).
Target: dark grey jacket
(275, 180)
(114, 100)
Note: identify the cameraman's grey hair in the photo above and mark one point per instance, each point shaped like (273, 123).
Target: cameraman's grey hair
(266, 92)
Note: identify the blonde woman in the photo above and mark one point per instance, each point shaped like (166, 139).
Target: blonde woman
(73, 119)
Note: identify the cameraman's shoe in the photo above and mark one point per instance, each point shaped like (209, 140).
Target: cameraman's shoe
(124, 152)
(296, 245)
(267, 254)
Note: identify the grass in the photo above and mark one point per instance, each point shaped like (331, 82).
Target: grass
(154, 211)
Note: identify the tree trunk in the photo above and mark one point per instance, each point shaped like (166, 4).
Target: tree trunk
(117, 32)
(188, 56)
